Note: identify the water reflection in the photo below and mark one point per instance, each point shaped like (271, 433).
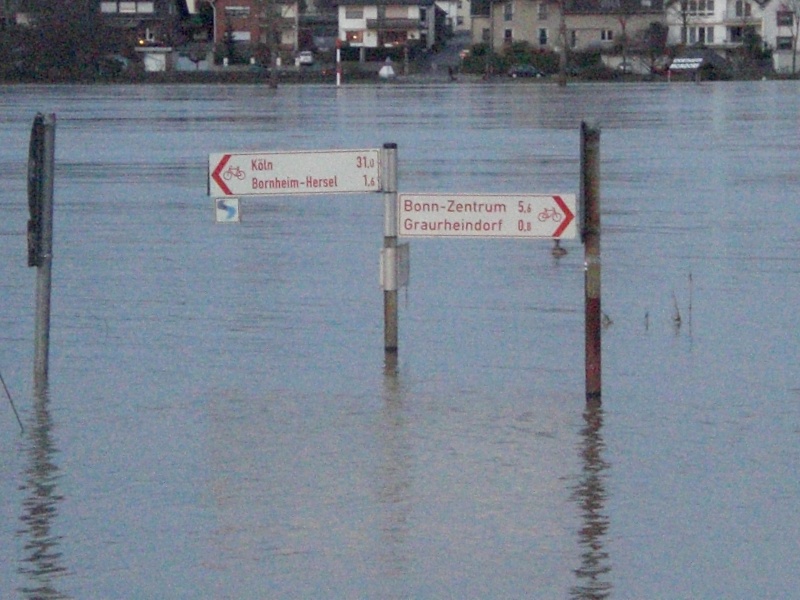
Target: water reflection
(590, 494)
(394, 479)
(42, 564)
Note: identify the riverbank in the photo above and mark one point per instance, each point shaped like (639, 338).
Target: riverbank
(435, 72)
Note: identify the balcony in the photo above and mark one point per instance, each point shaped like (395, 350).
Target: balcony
(733, 17)
(392, 24)
(281, 24)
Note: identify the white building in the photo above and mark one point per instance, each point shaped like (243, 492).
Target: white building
(387, 23)
(722, 25)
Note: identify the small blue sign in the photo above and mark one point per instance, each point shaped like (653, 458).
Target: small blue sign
(227, 210)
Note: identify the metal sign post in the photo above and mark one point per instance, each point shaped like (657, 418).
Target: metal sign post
(319, 172)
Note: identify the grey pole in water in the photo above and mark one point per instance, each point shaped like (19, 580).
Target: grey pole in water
(41, 163)
(590, 235)
(389, 184)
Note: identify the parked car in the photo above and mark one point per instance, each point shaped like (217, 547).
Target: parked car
(306, 57)
(258, 68)
(524, 71)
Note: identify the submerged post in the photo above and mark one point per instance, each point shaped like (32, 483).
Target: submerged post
(590, 235)
(389, 184)
(41, 160)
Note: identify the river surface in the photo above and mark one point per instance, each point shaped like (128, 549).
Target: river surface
(220, 420)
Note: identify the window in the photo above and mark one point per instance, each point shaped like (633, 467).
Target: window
(356, 37)
(701, 8)
(353, 13)
(606, 35)
(237, 11)
(486, 35)
(542, 14)
(701, 35)
(508, 11)
(398, 12)
(543, 37)
(743, 9)
(507, 36)
(783, 42)
(573, 38)
(393, 38)
(785, 18)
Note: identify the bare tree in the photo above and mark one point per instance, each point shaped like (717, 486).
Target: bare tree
(623, 11)
(681, 9)
(563, 56)
(269, 18)
(654, 39)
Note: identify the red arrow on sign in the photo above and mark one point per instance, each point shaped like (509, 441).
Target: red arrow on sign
(568, 216)
(216, 175)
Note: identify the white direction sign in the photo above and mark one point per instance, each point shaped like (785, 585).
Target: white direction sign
(312, 172)
(470, 215)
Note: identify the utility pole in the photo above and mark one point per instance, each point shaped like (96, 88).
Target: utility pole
(590, 235)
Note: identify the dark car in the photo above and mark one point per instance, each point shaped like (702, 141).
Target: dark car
(258, 68)
(524, 71)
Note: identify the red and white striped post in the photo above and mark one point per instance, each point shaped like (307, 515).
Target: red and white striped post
(338, 62)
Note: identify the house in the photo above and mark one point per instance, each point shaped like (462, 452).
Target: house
(387, 24)
(244, 24)
(449, 9)
(587, 24)
(456, 14)
(145, 22)
(480, 21)
(463, 15)
(781, 25)
(724, 26)
(608, 24)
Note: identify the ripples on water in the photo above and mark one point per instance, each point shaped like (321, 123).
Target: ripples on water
(220, 422)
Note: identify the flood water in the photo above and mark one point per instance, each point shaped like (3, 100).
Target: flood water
(220, 421)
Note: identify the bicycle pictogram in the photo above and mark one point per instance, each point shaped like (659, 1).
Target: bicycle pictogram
(549, 213)
(231, 172)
